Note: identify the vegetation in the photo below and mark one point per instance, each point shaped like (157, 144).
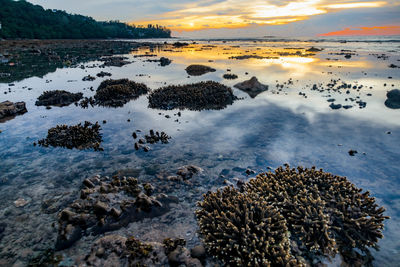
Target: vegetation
(20, 19)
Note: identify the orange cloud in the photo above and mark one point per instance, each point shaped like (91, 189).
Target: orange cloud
(376, 30)
(240, 13)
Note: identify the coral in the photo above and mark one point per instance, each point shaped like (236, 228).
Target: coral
(196, 96)
(198, 70)
(137, 249)
(230, 76)
(77, 136)
(241, 230)
(324, 213)
(116, 93)
(57, 98)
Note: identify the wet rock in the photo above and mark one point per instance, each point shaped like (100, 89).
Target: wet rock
(78, 136)
(88, 78)
(314, 49)
(58, 98)
(252, 87)
(352, 152)
(9, 109)
(108, 206)
(179, 44)
(196, 96)
(116, 61)
(20, 202)
(230, 76)
(103, 74)
(116, 93)
(165, 61)
(335, 106)
(393, 99)
(198, 70)
(188, 171)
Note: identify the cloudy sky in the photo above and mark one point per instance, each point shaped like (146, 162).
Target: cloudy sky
(238, 18)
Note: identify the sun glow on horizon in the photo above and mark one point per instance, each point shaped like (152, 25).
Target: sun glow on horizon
(238, 13)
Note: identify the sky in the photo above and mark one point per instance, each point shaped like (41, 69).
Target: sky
(253, 18)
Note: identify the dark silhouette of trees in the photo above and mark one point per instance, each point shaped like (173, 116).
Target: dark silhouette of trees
(20, 19)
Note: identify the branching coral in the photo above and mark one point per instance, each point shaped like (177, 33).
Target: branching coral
(241, 230)
(324, 214)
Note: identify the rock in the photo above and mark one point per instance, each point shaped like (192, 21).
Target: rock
(314, 49)
(58, 98)
(165, 61)
(198, 70)
(196, 96)
(198, 252)
(116, 61)
(110, 205)
(188, 171)
(393, 99)
(252, 87)
(230, 76)
(335, 106)
(103, 74)
(88, 78)
(9, 109)
(20, 202)
(352, 152)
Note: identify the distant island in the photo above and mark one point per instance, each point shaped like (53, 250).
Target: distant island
(23, 20)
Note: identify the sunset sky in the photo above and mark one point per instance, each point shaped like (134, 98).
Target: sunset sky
(237, 18)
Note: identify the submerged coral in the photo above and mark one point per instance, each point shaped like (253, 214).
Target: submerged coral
(196, 96)
(77, 136)
(116, 93)
(325, 214)
(58, 98)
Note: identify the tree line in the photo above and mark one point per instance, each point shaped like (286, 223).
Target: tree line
(21, 19)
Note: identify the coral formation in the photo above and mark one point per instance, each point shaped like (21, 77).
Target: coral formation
(241, 230)
(107, 204)
(77, 136)
(151, 138)
(196, 96)
(116, 93)
(198, 70)
(58, 98)
(324, 213)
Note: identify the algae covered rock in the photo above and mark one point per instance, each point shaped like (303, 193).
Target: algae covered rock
(198, 70)
(58, 98)
(116, 93)
(78, 136)
(107, 204)
(196, 96)
(324, 214)
(9, 109)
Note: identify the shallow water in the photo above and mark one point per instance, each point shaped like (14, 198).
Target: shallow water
(276, 127)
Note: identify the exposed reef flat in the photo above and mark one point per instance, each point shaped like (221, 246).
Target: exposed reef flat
(116, 93)
(196, 96)
(78, 136)
(9, 109)
(309, 214)
(58, 98)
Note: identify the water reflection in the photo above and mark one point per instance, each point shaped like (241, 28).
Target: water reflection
(276, 127)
